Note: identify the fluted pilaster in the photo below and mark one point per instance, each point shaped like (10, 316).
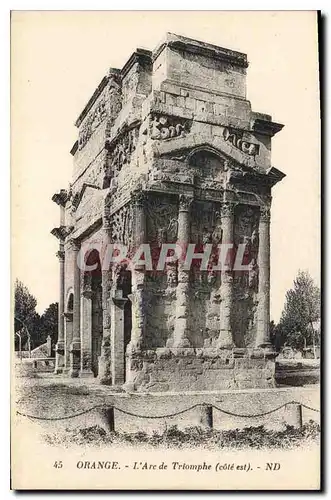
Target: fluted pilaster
(263, 261)
(181, 333)
(60, 348)
(76, 344)
(225, 336)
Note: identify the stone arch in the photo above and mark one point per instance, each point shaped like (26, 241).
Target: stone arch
(208, 165)
(70, 301)
(204, 149)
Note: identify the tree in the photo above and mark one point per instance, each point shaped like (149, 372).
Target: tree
(29, 323)
(26, 317)
(301, 311)
(275, 335)
(49, 323)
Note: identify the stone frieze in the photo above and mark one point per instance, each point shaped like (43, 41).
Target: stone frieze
(167, 127)
(235, 138)
(91, 123)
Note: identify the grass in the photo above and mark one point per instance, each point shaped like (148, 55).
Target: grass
(192, 437)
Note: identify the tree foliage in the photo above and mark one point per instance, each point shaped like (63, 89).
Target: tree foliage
(26, 317)
(28, 322)
(301, 311)
(25, 306)
(49, 323)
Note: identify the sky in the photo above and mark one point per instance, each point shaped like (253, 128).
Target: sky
(59, 58)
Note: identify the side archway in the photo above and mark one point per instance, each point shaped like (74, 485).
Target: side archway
(93, 281)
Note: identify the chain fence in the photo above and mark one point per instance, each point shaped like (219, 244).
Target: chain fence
(168, 415)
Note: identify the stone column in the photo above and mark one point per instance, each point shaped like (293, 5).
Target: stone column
(105, 357)
(139, 199)
(86, 329)
(181, 332)
(263, 261)
(225, 337)
(60, 348)
(60, 233)
(67, 341)
(138, 312)
(117, 344)
(75, 346)
(138, 276)
(49, 346)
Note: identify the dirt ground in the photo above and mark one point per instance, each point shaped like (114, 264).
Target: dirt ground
(53, 398)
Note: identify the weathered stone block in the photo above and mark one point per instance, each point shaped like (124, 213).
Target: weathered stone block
(163, 353)
(171, 100)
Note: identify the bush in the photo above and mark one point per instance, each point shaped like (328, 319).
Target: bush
(172, 437)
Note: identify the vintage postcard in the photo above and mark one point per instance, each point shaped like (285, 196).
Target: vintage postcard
(165, 250)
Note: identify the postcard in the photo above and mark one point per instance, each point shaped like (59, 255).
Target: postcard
(165, 250)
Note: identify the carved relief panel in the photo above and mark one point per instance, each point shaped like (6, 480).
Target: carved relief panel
(245, 282)
(162, 215)
(86, 206)
(92, 122)
(114, 102)
(204, 217)
(167, 127)
(122, 226)
(107, 106)
(161, 225)
(205, 229)
(235, 137)
(121, 150)
(209, 169)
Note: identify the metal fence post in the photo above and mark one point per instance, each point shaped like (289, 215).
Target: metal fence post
(206, 418)
(110, 418)
(298, 410)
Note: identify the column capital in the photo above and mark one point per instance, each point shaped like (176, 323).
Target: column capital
(86, 289)
(265, 213)
(139, 198)
(106, 224)
(62, 232)
(61, 197)
(87, 294)
(185, 202)
(60, 255)
(74, 245)
(227, 209)
(106, 209)
(120, 301)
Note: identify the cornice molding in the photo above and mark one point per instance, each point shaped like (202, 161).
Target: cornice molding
(140, 56)
(184, 44)
(266, 127)
(113, 74)
(62, 232)
(74, 149)
(92, 100)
